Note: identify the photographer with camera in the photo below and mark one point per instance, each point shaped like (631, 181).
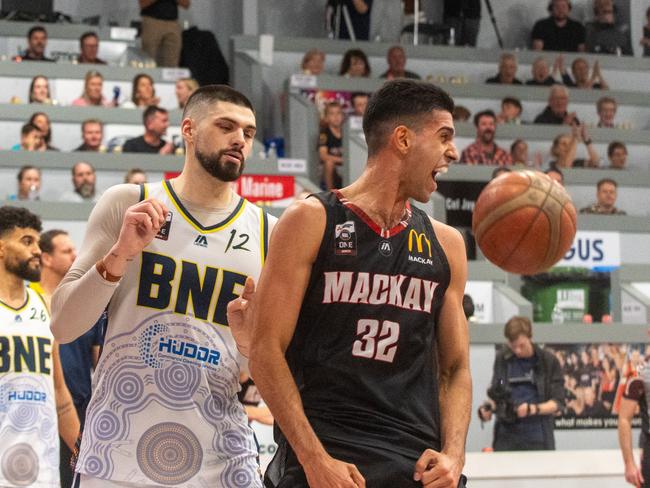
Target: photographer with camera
(527, 390)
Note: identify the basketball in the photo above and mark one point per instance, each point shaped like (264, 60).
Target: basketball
(524, 222)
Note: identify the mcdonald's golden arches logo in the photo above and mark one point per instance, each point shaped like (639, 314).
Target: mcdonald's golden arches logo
(420, 240)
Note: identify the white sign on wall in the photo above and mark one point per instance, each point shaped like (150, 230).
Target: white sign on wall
(481, 293)
(594, 249)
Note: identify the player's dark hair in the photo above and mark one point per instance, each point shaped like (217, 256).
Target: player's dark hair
(613, 146)
(606, 181)
(483, 113)
(150, 112)
(401, 102)
(34, 30)
(210, 94)
(13, 217)
(518, 326)
(45, 241)
(25, 169)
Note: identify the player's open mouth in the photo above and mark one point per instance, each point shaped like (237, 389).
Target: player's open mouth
(440, 171)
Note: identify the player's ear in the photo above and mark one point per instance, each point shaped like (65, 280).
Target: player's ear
(401, 138)
(187, 129)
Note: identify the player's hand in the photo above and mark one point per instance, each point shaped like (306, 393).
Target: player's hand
(633, 475)
(141, 223)
(240, 317)
(332, 473)
(437, 470)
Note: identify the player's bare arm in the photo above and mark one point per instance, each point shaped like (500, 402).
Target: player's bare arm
(625, 414)
(444, 469)
(66, 412)
(278, 300)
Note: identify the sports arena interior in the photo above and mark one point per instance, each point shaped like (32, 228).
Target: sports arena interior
(580, 110)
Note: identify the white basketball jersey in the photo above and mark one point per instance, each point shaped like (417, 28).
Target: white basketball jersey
(29, 440)
(164, 409)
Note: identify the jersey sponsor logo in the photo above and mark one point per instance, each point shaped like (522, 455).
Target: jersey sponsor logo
(385, 248)
(345, 239)
(163, 233)
(201, 241)
(205, 288)
(407, 292)
(22, 354)
(421, 249)
(156, 345)
(27, 396)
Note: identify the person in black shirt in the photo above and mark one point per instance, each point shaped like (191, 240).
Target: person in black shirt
(359, 15)
(36, 45)
(605, 35)
(161, 33)
(558, 32)
(556, 112)
(465, 18)
(330, 146)
(645, 40)
(360, 344)
(156, 122)
(92, 133)
(88, 47)
(507, 74)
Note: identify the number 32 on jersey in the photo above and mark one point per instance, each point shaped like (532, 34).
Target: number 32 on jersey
(376, 340)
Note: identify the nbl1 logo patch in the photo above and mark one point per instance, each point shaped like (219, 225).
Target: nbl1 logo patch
(345, 239)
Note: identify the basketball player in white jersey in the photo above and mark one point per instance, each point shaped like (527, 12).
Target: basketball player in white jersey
(33, 395)
(167, 258)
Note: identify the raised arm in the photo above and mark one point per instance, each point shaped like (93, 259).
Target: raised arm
(445, 468)
(276, 307)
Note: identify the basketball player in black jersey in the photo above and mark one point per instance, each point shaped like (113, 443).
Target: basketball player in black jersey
(360, 344)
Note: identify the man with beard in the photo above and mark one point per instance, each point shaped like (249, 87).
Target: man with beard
(558, 32)
(83, 180)
(166, 258)
(156, 122)
(36, 44)
(485, 150)
(33, 395)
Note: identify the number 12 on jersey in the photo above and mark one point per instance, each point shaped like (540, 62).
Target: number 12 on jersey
(375, 342)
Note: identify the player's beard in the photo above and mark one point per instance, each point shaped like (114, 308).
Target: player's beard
(23, 270)
(213, 164)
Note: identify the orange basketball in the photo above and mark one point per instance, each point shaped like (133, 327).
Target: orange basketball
(524, 222)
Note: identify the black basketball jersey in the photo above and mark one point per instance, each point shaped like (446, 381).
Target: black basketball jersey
(363, 352)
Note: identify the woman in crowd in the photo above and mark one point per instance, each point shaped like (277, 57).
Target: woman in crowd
(143, 93)
(565, 146)
(184, 88)
(39, 90)
(355, 64)
(92, 94)
(313, 62)
(42, 121)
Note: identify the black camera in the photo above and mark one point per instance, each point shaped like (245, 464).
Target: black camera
(501, 394)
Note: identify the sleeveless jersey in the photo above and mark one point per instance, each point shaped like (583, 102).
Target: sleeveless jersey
(363, 352)
(164, 407)
(29, 439)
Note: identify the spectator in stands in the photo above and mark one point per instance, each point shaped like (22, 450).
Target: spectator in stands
(533, 377)
(519, 152)
(39, 91)
(541, 73)
(42, 121)
(565, 146)
(313, 62)
(606, 108)
(135, 176)
(92, 134)
(465, 18)
(396, 59)
(36, 45)
(161, 33)
(556, 112)
(92, 95)
(485, 150)
(31, 139)
(89, 46)
(558, 32)
(556, 175)
(461, 113)
(358, 11)
(184, 88)
(617, 155)
(605, 35)
(330, 146)
(581, 78)
(359, 101)
(355, 64)
(510, 111)
(29, 184)
(143, 93)
(83, 181)
(606, 193)
(645, 40)
(156, 122)
(507, 71)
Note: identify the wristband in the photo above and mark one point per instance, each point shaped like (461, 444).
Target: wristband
(103, 272)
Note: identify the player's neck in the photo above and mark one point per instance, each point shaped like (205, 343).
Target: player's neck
(195, 186)
(12, 289)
